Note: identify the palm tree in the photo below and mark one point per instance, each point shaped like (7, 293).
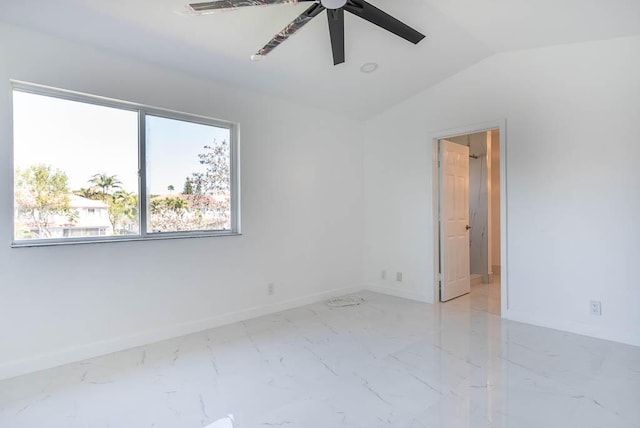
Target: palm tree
(129, 201)
(122, 206)
(155, 206)
(87, 192)
(105, 183)
(176, 204)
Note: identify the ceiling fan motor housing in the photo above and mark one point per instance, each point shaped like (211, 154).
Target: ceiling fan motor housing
(333, 4)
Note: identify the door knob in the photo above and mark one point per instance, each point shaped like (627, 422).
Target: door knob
(467, 227)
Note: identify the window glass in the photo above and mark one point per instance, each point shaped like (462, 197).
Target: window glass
(188, 176)
(75, 168)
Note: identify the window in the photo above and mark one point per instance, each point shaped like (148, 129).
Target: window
(188, 176)
(94, 169)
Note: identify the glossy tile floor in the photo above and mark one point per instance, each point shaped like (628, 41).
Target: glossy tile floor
(389, 362)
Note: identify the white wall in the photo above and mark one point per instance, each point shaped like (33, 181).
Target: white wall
(573, 150)
(301, 219)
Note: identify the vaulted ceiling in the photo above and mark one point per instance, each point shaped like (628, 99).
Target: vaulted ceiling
(219, 46)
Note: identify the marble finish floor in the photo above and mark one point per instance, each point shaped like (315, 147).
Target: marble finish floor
(389, 362)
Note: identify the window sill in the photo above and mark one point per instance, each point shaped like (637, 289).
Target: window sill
(149, 237)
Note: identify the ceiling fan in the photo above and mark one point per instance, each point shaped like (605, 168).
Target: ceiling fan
(335, 14)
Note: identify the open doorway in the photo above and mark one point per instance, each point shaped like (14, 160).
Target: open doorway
(469, 219)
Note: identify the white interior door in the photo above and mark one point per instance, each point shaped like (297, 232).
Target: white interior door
(454, 220)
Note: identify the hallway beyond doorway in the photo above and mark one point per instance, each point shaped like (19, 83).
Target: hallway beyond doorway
(483, 297)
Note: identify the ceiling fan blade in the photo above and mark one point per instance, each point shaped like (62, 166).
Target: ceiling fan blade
(290, 29)
(336, 31)
(234, 4)
(382, 19)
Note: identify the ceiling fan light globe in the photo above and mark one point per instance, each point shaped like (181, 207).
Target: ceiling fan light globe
(333, 4)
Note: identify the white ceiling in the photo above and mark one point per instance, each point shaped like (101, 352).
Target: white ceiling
(218, 46)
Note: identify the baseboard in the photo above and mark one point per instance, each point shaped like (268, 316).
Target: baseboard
(572, 327)
(95, 349)
(398, 292)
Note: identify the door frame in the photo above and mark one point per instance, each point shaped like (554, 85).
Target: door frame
(436, 136)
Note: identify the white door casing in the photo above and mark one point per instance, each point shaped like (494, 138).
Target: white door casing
(454, 220)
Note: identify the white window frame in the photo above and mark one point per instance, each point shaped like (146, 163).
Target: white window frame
(142, 111)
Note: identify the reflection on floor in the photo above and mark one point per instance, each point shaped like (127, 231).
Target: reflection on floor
(483, 297)
(389, 362)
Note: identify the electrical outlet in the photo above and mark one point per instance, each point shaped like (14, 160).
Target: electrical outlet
(595, 307)
(399, 276)
(271, 289)
(383, 274)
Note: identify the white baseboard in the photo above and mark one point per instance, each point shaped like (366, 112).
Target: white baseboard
(572, 327)
(399, 292)
(95, 349)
